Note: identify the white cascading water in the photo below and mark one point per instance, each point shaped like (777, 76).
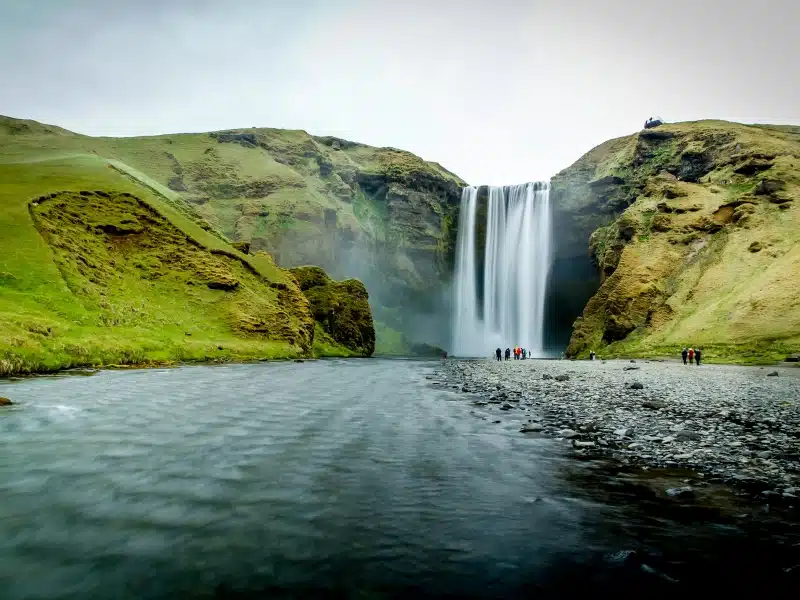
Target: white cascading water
(510, 312)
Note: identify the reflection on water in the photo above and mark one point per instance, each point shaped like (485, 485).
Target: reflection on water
(331, 478)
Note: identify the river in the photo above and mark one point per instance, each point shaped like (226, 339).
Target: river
(339, 479)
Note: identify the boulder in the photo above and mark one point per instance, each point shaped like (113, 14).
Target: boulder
(793, 358)
(767, 187)
(5, 402)
(772, 374)
(755, 247)
(562, 377)
(636, 386)
(654, 404)
(243, 247)
(531, 427)
(680, 492)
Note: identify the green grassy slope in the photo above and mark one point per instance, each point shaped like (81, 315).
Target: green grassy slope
(100, 264)
(701, 245)
(379, 214)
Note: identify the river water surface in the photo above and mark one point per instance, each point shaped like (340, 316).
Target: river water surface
(357, 479)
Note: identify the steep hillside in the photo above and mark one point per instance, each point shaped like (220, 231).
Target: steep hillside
(695, 231)
(100, 266)
(382, 215)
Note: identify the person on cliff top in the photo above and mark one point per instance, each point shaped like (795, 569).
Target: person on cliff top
(691, 355)
(508, 353)
(697, 354)
(684, 355)
(499, 354)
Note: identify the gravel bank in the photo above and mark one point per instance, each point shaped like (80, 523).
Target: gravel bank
(739, 425)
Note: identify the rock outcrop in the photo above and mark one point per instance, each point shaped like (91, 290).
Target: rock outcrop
(341, 308)
(686, 229)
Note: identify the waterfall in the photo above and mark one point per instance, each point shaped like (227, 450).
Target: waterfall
(505, 306)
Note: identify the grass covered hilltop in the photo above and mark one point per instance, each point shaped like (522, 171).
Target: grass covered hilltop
(695, 228)
(102, 265)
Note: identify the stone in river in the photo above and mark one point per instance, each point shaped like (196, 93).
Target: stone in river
(567, 433)
(562, 377)
(636, 386)
(630, 368)
(623, 432)
(531, 428)
(578, 444)
(5, 402)
(680, 492)
(654, 404)
(772, 374)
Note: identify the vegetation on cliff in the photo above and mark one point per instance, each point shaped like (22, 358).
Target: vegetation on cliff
(341, 310)
(696, 232)
(101, 265)
(382, 215)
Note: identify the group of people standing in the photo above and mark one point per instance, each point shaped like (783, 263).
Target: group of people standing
(519, 353)
(691, 355)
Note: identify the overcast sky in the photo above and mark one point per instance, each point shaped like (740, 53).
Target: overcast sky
(498, 91)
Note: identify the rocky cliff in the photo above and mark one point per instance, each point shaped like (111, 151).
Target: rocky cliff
(340, 308)
(694, 230)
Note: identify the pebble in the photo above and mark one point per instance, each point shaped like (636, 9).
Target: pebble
(721, 422)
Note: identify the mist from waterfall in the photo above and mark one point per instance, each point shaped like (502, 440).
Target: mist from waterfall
(499, 300)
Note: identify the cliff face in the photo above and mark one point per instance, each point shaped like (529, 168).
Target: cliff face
(340, 308)
(693, 228)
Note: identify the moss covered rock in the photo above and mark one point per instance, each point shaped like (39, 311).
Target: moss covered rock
(341, 308)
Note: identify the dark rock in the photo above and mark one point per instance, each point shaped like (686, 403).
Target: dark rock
(531, 428)
(546, 376)
(5, 402)
(562, 377)
(636, 386)
(227, 285)
(793, 358)
(654, 404)
(755, 247)
(766, 187)
(299, 360)
(506, 407)
(772, 374)
(630, 369)
(753, 166)
(243, 247)
(633, 361)
(680, 492)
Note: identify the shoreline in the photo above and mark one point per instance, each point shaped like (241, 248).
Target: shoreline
(731, 424)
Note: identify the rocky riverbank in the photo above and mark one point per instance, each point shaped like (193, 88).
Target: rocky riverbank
(739, 425)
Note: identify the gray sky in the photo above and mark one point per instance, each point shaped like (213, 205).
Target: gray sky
(498, 91)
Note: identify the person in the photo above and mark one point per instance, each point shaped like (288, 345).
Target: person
(691, 355)
(592, 355)
(499, 354)
(684, 355)
(444, 355)
(524, 354)
(508, 353)
(697, 354)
